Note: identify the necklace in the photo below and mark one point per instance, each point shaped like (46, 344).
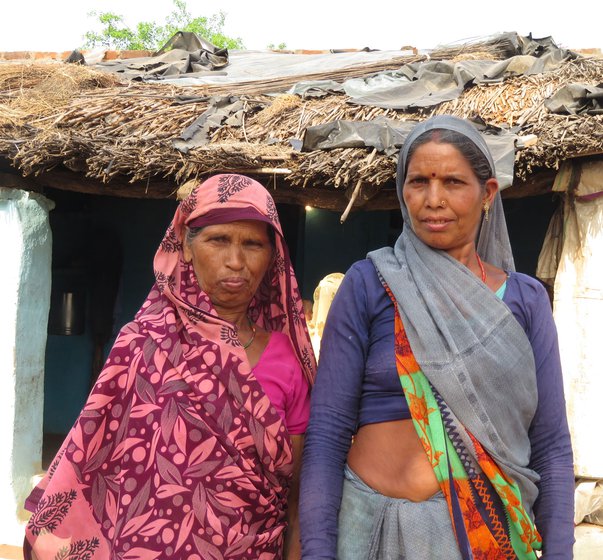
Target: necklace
(253, 330)
(481, 267)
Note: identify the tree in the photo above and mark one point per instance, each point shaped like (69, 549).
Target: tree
(152, 36)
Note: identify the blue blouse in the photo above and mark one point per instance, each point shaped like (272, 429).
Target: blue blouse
(357, 383)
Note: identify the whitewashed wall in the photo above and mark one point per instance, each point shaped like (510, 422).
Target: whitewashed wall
(25, 276)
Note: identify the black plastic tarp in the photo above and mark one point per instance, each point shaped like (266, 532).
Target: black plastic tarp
(575, 99)
(428, 83)
(184, 54)
(222, 110)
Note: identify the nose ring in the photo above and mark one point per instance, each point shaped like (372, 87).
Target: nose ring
(443, 203)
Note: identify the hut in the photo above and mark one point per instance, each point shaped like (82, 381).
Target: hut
(111, 145)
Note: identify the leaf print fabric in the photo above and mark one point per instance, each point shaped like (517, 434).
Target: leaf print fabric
(178, 453)
(51, 511)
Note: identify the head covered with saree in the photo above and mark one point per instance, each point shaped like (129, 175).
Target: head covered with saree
(468, 372)
(178, 452)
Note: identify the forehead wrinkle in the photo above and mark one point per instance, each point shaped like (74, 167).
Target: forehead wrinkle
(443, 158)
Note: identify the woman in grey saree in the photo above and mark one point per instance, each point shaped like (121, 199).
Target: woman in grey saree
(440, 364)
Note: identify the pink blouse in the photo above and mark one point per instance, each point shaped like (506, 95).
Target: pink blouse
(283, 381)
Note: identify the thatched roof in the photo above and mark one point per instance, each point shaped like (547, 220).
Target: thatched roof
(79, 128)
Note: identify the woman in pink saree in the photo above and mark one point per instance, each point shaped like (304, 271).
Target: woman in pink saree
(190, 441)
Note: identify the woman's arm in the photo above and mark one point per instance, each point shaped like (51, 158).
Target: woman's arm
(292, 542)
(334, 410)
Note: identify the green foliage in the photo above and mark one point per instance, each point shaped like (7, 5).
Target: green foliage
(152, 36)
(114, 34)
(279, 47)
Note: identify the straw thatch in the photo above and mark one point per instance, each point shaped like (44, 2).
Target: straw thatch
(56, 117)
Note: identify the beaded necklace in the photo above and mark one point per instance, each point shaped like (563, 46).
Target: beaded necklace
(253, 331)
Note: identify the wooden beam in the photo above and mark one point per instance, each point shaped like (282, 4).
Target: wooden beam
(69, 181)
(15, 181)
(326, 198)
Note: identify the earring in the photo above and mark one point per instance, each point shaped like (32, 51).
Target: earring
(486, 211)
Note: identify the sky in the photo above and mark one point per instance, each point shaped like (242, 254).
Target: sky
(59, 25)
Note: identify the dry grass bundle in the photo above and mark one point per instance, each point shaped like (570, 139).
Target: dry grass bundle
(10, 117)
(46, 76)
(19, 77)
(185, 189)
(38, 90)
(281, 104)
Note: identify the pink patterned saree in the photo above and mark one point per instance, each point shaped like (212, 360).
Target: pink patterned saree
(178, 452)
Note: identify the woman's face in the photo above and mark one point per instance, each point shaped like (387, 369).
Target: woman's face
(230, 260)
(444, 198)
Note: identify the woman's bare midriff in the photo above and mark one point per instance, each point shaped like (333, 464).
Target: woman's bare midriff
(389, 458)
